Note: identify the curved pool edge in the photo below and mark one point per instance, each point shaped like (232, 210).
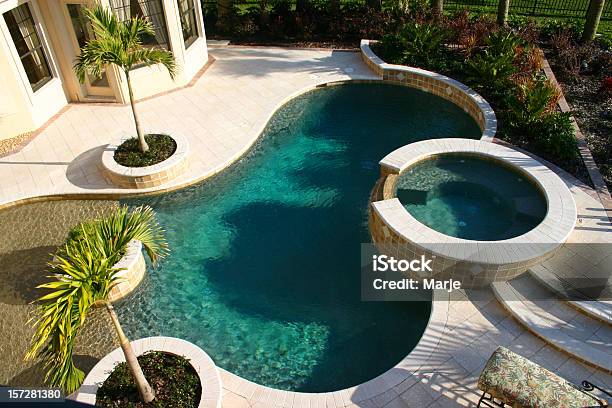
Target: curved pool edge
(402, 372)
(185, 181)
(180, 182)
(431, 82)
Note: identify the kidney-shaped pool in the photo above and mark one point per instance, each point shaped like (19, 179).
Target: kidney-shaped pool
(265, 262)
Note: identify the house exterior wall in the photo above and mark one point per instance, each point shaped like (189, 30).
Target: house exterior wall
(23, 110)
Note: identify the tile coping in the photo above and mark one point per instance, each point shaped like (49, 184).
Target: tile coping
(208, 373)
(551, 233)
(489, 127)
(402, 371)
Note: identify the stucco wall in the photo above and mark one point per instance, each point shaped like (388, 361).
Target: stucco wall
(22, 110)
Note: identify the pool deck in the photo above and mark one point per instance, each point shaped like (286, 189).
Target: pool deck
(222, 114)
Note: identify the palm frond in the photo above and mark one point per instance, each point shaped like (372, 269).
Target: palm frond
(152, 56)
(82, 274)
(118, 42)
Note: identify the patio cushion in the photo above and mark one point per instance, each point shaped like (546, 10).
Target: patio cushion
(519, 382)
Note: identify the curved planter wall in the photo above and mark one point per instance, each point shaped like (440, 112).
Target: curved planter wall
(200, 361)
(133, 269)
(475, 263)
(149, 176)
(461, 95)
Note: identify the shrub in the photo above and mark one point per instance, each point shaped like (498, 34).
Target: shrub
(501, 43)
(468, 32)
(532, 100)
(389, 48)
(552, 27)
(555, 137)
(490, 71)
(528, 60)
(423, 45)
(605, 90)
(569, 55)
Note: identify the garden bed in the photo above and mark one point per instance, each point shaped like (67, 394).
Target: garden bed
(592, 110)
(174, 380)
(161, 147)
(506, 67)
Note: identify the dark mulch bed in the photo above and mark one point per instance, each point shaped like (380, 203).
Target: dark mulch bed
(161, 147)
(593, 113)
(174, 380)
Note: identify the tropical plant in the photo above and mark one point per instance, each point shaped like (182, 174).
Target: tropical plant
(490, 71)
(82, 276)
(119, 43)
(502, 42)
(554, 135)
(533, 99)
(423, 44)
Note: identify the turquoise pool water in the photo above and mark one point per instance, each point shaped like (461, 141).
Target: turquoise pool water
(471, 197)
(264, 272)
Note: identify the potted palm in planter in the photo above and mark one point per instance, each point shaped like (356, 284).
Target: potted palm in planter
(83, 275)
(118, 43)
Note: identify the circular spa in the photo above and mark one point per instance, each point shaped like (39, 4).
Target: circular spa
(483, 211)
(264, 267)
(471, 197)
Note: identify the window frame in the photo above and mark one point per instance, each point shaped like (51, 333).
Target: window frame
(48, 55)
(194, 11)
(163, 15)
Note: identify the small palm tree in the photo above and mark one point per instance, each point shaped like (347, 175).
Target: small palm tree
(119, 43)
(82, 277)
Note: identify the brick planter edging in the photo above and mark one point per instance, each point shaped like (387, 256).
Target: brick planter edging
(148, 176)
(585, 153)
(208, 373)
(450, 89)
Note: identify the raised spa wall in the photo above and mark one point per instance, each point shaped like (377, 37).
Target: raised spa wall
(395, 232)
(460, 94)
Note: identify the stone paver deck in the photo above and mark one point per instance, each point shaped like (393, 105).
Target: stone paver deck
(222, 115)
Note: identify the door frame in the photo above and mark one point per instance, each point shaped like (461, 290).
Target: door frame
(88, 90)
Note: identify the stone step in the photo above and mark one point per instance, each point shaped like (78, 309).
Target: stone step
(594, 308)
(554, 321)
(597, 309)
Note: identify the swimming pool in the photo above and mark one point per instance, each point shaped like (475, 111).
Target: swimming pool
(265, 262)
(471, 197)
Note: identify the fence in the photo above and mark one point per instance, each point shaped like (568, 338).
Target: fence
(532, 8)
(536, 8)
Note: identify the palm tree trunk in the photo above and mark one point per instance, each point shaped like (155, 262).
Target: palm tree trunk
(144, 389)
(592, 19)
(502, 12)
(144, 147)
(438, 8)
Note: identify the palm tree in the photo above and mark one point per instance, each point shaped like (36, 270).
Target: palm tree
(438, 9)
(502, 12)
(82, 277)
(592, 19)
(119, 43)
